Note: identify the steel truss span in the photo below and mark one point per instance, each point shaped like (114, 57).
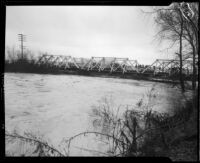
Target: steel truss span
(113, 64)
(169, 66)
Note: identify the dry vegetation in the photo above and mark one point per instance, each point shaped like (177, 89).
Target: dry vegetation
(139, 131)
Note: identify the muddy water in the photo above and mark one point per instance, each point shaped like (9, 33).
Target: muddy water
(59, 106)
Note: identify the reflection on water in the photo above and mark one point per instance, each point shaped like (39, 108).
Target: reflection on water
(58, 106)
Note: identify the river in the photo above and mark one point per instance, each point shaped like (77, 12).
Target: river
(59, 106)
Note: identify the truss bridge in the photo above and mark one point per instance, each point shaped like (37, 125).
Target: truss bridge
(109, 64)
(113, 64)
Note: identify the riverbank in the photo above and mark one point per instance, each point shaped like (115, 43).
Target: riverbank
(177, 141)
(56, 71)
(25, 65)
(184, 146)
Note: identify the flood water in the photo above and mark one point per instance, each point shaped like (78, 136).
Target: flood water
(59, 106)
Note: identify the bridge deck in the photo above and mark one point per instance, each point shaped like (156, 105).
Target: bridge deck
(115, 65)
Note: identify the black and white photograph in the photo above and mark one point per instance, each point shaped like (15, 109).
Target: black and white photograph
(102, 81)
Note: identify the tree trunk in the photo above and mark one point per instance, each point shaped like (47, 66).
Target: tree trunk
(195, 30)
(194, 49)
(194, 69)
(180, 55)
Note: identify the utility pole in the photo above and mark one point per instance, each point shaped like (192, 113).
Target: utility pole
(22, 39)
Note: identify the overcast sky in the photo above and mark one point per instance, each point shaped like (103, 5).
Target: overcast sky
(85, 31)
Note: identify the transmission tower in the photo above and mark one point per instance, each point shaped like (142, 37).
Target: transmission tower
(22, 39)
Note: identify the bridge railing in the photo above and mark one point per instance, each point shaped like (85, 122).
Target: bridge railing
(113, 64)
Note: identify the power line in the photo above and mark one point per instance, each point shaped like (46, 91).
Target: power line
(22, 39)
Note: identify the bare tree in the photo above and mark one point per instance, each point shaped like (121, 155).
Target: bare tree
(180, 51)
(170, 22)
(191, 35)
(177, 26)
(11, 54)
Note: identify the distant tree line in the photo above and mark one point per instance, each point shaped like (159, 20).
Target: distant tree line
(28, 62)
